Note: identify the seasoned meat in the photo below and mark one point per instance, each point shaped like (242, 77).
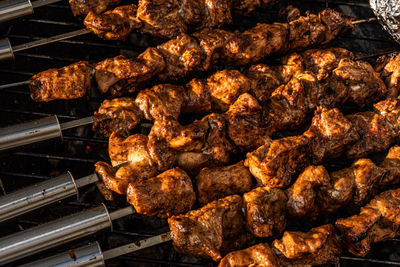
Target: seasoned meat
(114, 24)
(218, 182)
(388, 68)
(265, 211)
(391, 163)
(161, 18)
(377, 221)
(113, 71)
(119, 115)
(169, 193)
(197, 97)
(276, 162)
(318, 246)
(108, 194)
(83, 7)
(246, 125)
(210, 232)
(303, 193)
(260, 255)
(106, 173)
(225, 87)
(330, 134)
(163, 100)
(69, 82)
(264, 80)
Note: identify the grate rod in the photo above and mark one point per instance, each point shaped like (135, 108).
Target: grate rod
(39, 3)
(4, 86)
(371, 260)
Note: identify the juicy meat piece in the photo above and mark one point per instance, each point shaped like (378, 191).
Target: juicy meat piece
(318, 246)
(163, 100)
(363, 83)
(377, 221)
(114, 24)
(246, 125)
(260, 255)
(265, 211)
(119, 115)
(210, 232)
(302, 194)
(161, 18)
(69, 82)
(113, 71)
(197, 97)
(225, 87)
(388, 68)
(276, 162)
(264, 80)
(169, 193)
(376, 133)
(391, 163)
(330, 134)
(108, 194)
(106, 173)
(182, 55)
(83, 7)
(218, 182)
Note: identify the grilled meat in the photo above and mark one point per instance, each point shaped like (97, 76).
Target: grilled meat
(388, 68)
(218, 182)
(69, 82)
(114, 24)
(265, 211)
(258, 255)
(318, 246)
(377, 221)
(211, 231)
(169, 193)
(83, 7)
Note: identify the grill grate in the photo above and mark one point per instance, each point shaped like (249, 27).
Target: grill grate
(81, 147)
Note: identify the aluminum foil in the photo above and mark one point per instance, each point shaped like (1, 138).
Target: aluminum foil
(388, 14)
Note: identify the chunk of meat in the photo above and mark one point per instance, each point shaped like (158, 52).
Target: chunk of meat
(265, 211)
(197, 97)
(388, 68)
(169, 193)
(119, 115)
(211, 231)
(391, 163)
(70, 82)
(218, 182)
(83, 7)
(264, 80)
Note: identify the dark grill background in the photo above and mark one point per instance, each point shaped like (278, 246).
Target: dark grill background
(82, 148)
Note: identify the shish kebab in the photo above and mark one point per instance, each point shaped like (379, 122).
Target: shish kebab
(186, 54)
(165, 19)
(213, 94)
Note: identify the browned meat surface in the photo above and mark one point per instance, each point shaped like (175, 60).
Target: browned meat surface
(114, 24)
(106, 173)
(108, 194)
(330, 134)
(265, 211)
(260, 255)
(169, 193)
(83, 7)
(164, 100)
(246, 125)
(377, 221)
(318, 246)
(264, 80)
(303, 193)
(118, 74)
(391, 163)
(119, 115)
(210, 232)
(197, 97)
(161, 18)
(277, 162)
(69, 82)
(219, 182)
(388, 68)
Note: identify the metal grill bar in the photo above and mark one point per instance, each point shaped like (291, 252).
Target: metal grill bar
(47, 156)
(371, 260)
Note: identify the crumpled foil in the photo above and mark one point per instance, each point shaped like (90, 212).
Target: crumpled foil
(388, 14)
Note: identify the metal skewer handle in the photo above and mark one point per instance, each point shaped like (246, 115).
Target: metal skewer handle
(36, 131)
(12, 9)
(58, 232)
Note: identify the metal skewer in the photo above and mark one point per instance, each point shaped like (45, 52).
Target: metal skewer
(12, 9)
(41, 194)
(37, 131)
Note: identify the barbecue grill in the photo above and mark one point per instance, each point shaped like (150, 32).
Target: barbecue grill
(81, 147)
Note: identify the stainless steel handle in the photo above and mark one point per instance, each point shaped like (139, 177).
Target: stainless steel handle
(42, 237)
(6, 51)
(29, 132)
(12, 9)
(37, 196)
(88, 256)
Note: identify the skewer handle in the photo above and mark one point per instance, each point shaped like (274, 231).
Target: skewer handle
(6, 51)
(36, 196)
(30, 132)
(12, 9)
